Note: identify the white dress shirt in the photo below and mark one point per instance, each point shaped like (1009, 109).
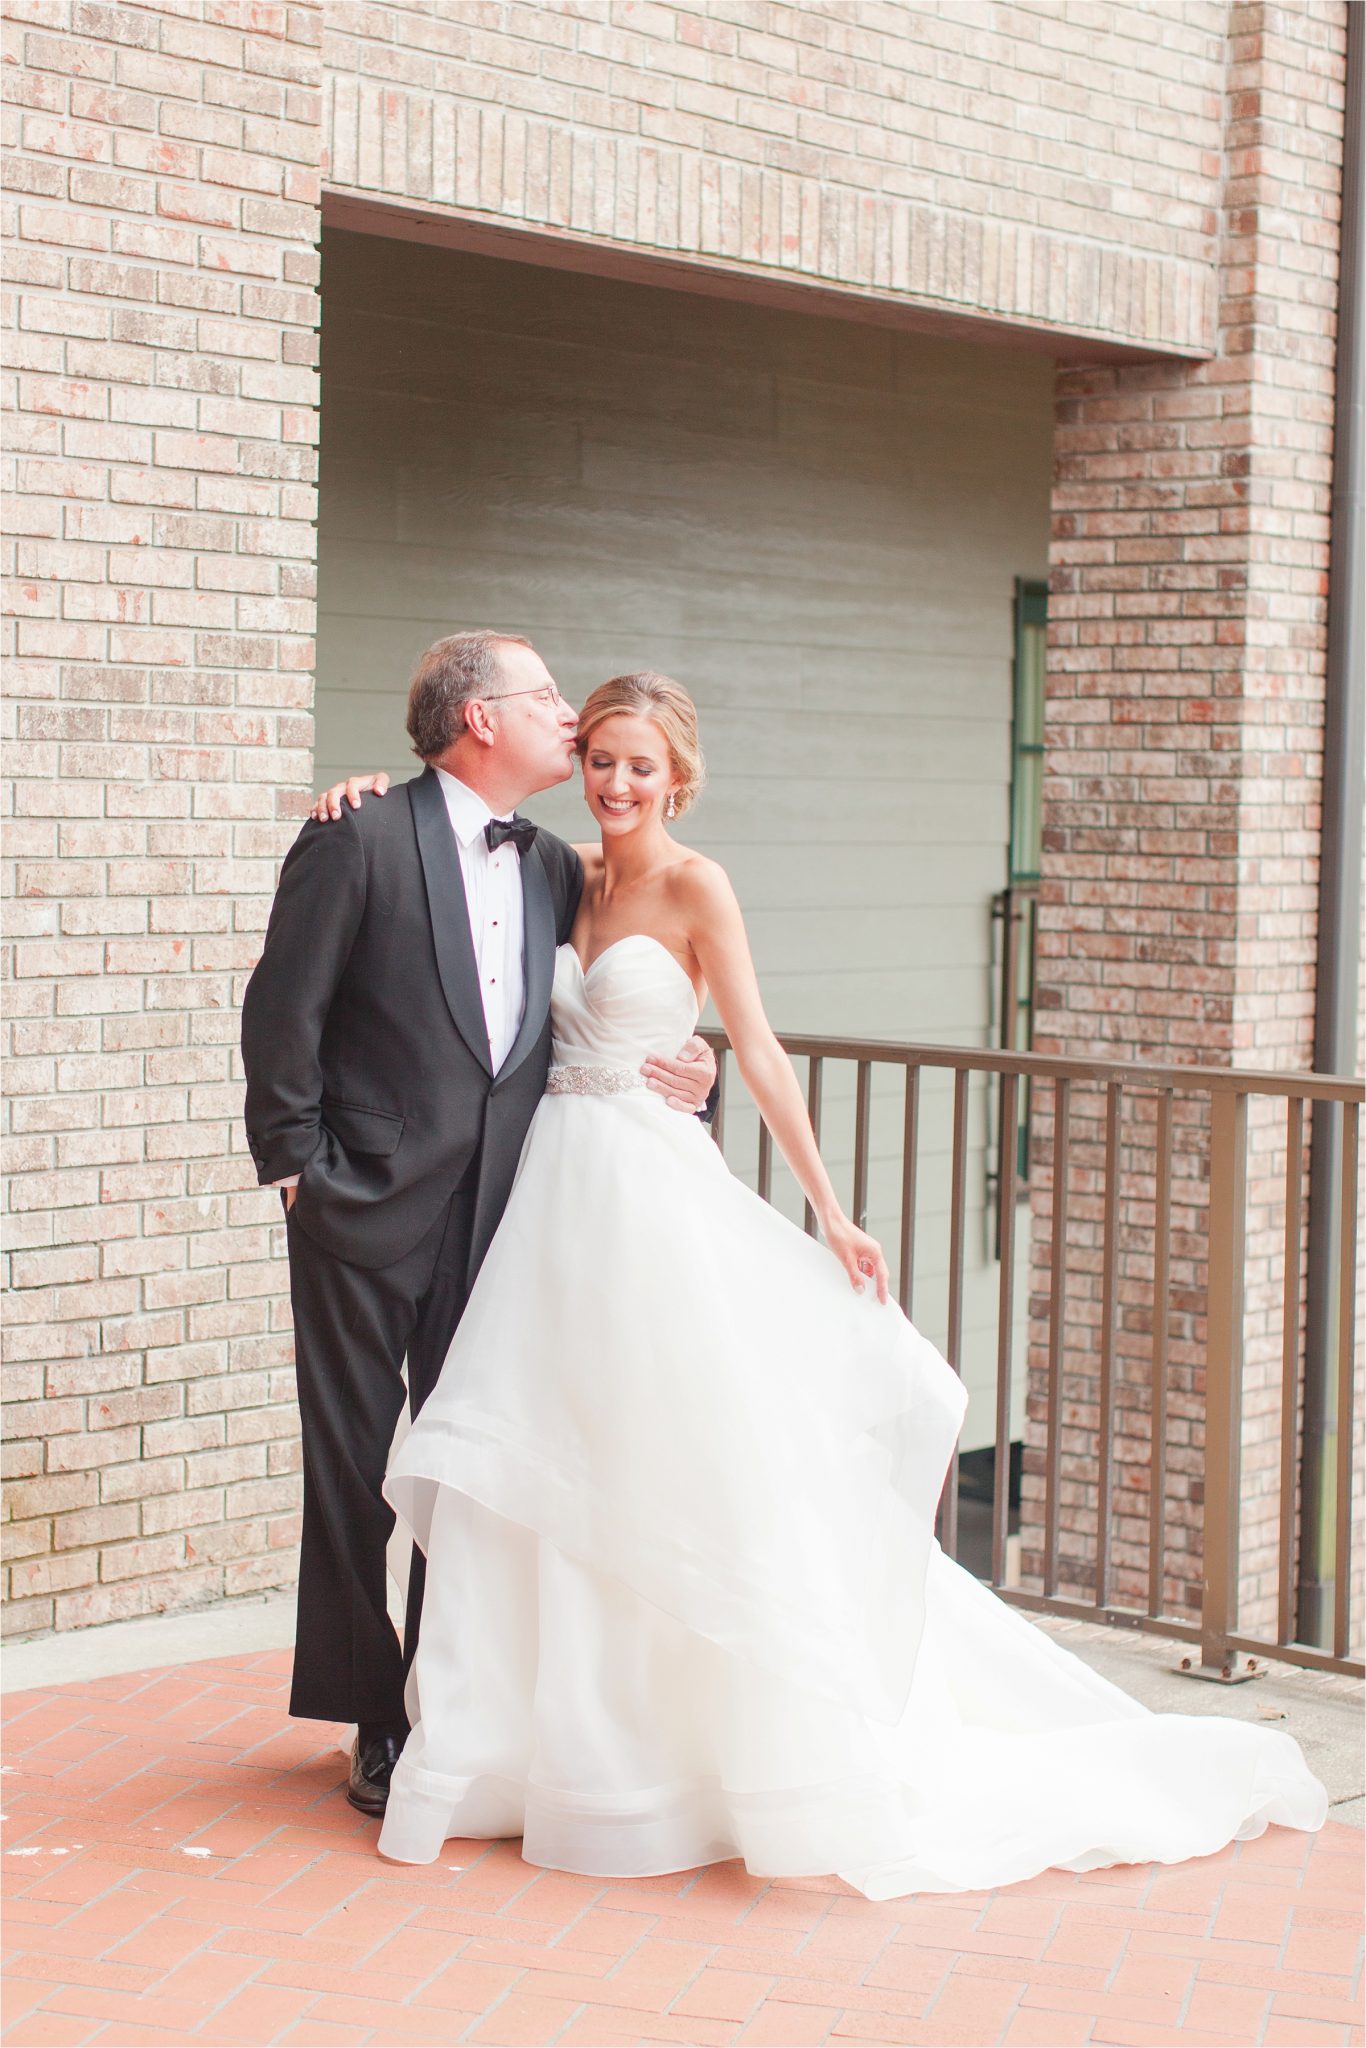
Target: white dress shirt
(493, 893)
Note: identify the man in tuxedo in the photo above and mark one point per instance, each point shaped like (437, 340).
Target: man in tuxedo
(396, 1037)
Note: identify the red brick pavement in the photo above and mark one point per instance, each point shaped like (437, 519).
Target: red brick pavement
(181, 1866)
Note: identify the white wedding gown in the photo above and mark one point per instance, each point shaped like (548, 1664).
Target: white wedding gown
(677, 1488)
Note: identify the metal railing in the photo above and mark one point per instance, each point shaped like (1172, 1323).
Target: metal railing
(1209, 1107)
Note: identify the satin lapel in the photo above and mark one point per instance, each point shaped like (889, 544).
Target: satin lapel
(538, 956)
(450, 915)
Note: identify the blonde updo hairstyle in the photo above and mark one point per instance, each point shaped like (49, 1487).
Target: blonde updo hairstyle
(647, 694)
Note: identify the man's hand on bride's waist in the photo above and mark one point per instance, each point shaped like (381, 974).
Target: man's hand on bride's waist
(685, 1081)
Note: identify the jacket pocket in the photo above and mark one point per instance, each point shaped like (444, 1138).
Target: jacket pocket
(376, 1131)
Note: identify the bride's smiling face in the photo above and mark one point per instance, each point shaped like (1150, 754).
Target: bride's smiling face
(627, 773)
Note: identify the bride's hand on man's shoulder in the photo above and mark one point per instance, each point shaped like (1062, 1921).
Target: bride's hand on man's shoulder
(860, 1255)
(329, 804)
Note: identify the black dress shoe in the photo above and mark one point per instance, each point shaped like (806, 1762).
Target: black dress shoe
(372, 1766)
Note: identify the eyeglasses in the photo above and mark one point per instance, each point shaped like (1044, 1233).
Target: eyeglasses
(545, 693)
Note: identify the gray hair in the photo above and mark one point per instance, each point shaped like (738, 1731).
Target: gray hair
(449, 676)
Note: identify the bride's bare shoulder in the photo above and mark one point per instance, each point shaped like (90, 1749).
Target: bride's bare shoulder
(699, 882)
(590, 853)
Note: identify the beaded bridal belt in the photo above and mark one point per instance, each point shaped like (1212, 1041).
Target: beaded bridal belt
(592, 1080)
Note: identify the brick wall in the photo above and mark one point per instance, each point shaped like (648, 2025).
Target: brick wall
(162, 211)
(1185, 699)
(1047, 165)
(1053, 166)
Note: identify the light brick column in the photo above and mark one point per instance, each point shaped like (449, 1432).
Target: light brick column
(1184, 720)
(163, 175)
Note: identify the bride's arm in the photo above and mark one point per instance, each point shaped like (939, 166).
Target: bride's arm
(717, 935)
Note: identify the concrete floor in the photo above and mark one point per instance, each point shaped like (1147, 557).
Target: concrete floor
(1326, 1714)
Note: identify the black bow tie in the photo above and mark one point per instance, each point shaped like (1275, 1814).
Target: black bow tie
(520, 831)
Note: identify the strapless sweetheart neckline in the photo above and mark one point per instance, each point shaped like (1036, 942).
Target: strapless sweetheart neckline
(630, 938)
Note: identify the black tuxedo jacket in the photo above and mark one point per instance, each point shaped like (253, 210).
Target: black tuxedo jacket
(363, 1036)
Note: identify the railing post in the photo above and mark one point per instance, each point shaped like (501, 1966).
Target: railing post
(1057, 1334)
(910, 1156)
(1005, 1332)
(863, 1097)
(1223, 1389)
(1162, 1307)
(1346, 1387)
(1292, 1298)
(814, 1087)
(953, 1342)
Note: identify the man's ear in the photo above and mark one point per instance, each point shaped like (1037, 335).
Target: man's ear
(479, 722)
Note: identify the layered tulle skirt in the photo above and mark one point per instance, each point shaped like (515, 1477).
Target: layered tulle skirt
(677, 1489)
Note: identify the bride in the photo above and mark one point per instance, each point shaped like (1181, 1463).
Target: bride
(677, 1486)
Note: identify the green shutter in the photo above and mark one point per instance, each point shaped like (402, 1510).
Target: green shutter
(1026, 825)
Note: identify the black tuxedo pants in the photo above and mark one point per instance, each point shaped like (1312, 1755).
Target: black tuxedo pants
(352, 1328)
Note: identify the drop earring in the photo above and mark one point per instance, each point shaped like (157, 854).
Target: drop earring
(670, 807)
